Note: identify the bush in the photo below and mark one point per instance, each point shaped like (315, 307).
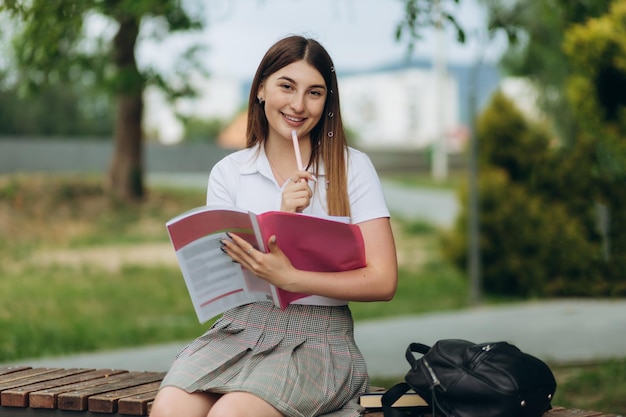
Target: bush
(539, 206)
(528, 246)
(508, 141)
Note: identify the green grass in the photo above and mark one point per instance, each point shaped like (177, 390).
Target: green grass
(454, 180)
(68, 310)
(599, 386)
(54, 309)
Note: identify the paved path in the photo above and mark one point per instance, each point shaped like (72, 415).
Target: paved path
(439, 207)
(561, 331)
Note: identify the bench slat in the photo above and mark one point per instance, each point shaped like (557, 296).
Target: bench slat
(555, 412)
(5, 370)
(108, 402)
(78, 400)
(18, 397)
(137, 405)
(28, 376)
(562, 412)
(48, 398)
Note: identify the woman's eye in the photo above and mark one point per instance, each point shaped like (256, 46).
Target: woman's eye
(285, 86)
(316, 93)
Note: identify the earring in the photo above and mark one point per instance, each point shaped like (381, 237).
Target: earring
(260, 100)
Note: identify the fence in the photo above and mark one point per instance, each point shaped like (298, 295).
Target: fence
(93, 155)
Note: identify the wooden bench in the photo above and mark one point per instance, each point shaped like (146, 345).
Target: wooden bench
(27, 391)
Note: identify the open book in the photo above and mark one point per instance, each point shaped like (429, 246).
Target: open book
(216, 283)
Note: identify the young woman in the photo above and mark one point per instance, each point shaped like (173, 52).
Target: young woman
(259, 360)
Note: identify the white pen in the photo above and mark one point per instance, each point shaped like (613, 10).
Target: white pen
(296, 148)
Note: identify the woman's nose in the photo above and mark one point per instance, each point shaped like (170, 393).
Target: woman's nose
(297, 102)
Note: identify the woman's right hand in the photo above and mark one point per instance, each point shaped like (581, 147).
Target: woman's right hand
(297, 193)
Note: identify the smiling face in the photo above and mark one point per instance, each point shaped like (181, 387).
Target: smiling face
(294, 100)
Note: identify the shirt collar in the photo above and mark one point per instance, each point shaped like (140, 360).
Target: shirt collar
(256, 161)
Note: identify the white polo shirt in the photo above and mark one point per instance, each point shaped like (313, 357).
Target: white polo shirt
(244, 180)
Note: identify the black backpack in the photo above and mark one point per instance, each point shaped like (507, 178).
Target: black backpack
(458, 378)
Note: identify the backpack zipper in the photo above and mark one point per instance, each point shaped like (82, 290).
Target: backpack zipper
(432, 373)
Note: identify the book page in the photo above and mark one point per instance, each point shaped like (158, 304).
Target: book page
(214, 282)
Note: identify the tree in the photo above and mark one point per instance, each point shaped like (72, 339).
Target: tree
(531, 242)
(419, 14)
(51, 46)
(536, 32)
(597, 91)
(553, 221)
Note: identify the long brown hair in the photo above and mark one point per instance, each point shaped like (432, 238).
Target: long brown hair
(328, 138)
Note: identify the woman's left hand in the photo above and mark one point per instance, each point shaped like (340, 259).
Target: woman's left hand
(274, 266)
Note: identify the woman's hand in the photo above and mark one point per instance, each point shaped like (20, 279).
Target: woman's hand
(297, 193)
(377, 281)
(274, 266)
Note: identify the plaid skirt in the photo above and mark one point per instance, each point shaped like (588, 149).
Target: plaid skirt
(303, 360)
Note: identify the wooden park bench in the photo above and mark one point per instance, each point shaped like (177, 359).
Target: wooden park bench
(77, 392)
(26, 391)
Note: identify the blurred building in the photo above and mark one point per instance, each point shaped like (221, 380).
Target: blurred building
(524, 94)
(395, 107)
(234, 135)
(399, 108)
(398, 105)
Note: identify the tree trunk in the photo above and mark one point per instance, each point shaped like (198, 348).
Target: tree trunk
(125, 176)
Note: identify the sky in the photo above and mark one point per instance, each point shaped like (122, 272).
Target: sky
(358, 34)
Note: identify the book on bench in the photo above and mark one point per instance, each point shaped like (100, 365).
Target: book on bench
(373, 400)
(216, 283)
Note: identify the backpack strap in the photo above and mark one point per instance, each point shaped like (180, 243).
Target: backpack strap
(392, 395)
(417, 348)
